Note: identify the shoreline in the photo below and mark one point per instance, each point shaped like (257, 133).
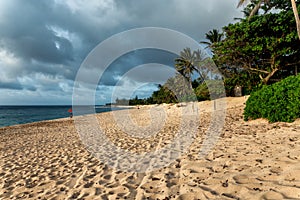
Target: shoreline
(204, 106)
(250, 160)
(66, 115)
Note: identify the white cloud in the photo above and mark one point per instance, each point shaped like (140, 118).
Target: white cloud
(87, 6)
(9, 65)
(8, 58)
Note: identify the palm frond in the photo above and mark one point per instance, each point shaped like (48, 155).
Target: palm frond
(204, 42)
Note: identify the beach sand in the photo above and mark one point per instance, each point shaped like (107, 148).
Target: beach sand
(250, 160)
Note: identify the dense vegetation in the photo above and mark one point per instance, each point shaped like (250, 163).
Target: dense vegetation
(264, 46)
(277, 102)
(255, 52)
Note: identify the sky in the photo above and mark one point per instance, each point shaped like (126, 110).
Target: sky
(44, 43)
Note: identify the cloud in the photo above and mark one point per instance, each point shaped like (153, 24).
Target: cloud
(26, 35)
(192, 17)
(11, 85)
(135, 59)
(43, 43)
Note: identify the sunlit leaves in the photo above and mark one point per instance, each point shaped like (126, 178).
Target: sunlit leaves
(277, 102)
(265, 44)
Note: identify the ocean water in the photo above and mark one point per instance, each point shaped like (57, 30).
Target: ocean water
(12, 115)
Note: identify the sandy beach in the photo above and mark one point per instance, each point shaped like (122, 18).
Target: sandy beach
(251, 160)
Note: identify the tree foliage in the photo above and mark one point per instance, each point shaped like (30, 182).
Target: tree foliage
(276, 102)
(263, 46)
(180, 87)
(213, 37)
(187, 63)
(254, 6)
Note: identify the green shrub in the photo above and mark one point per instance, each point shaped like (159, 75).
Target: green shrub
(276, 102)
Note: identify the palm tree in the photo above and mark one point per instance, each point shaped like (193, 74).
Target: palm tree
(187, 63)
(213, 37)
(258, 5)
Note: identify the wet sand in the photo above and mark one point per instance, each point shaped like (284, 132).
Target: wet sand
(251, 160)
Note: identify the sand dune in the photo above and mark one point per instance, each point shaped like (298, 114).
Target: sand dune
(251, 160)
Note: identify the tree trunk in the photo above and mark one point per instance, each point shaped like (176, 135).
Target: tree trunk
(296, 17)
(255, 9)
(267, 78)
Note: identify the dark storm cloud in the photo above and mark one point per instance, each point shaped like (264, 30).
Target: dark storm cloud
(192, 17)
(26, 27)
(136, 58)
(16, 85)
(30, 88)
(24, 32)
(11, 85)
(52, 38)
